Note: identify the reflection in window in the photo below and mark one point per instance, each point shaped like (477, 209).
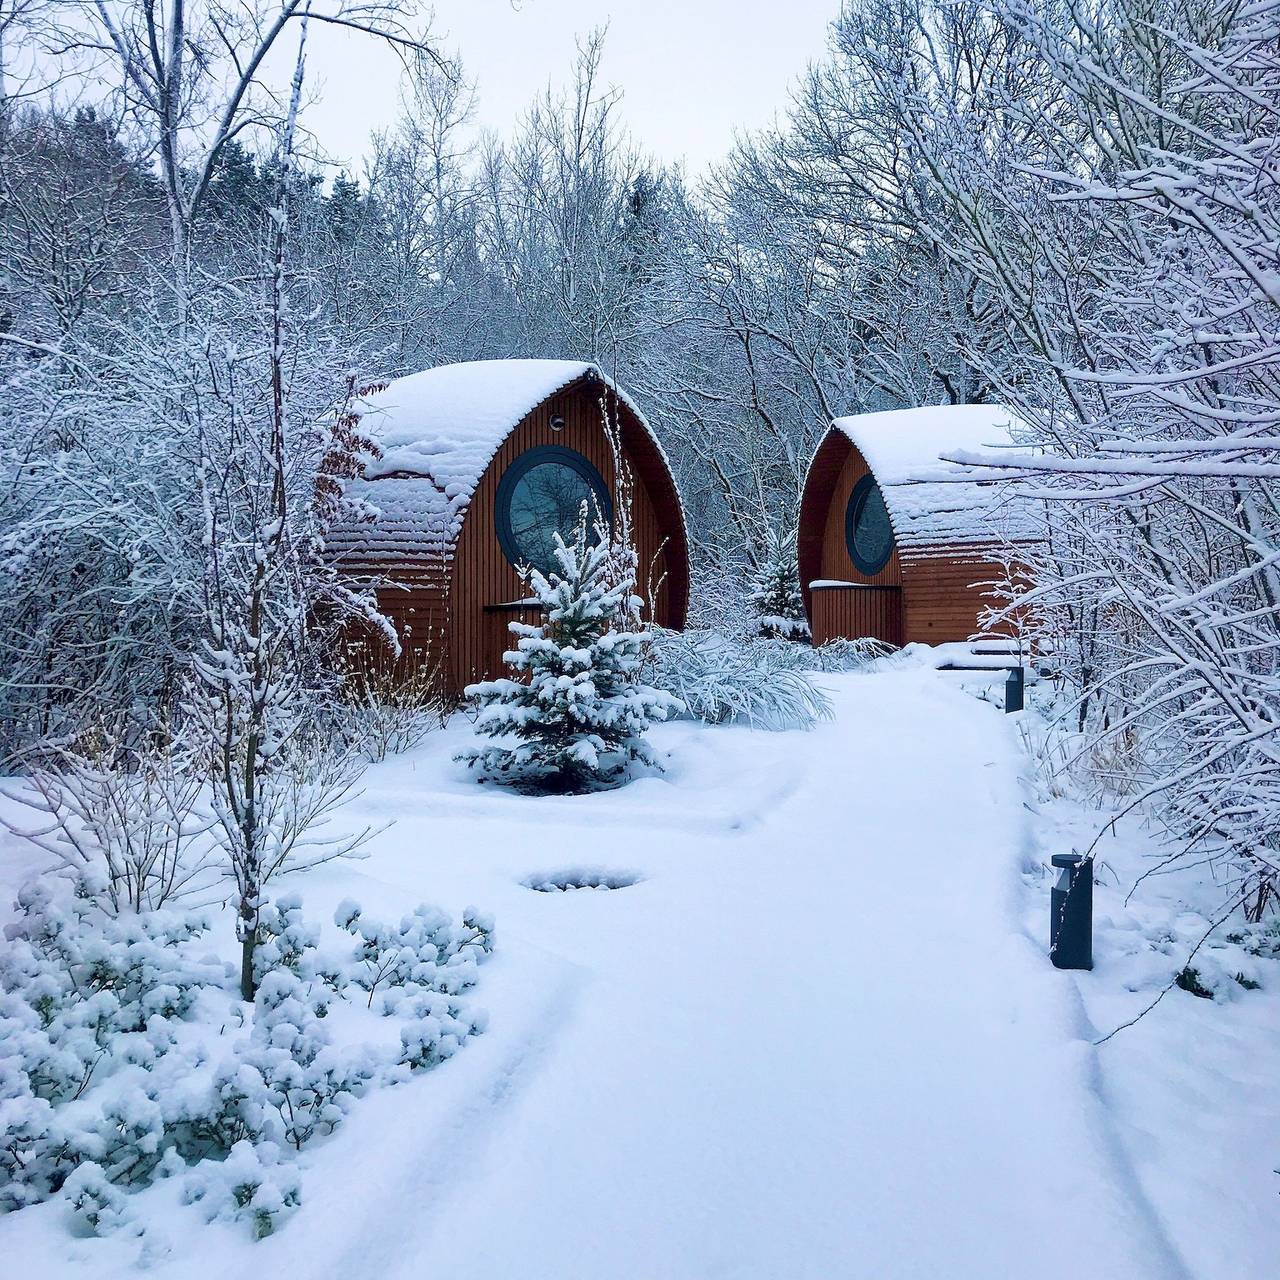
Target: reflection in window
(541, 494)
(867, 531)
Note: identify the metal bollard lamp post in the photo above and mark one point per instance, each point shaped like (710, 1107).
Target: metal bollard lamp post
(1013, 689)
(1071, 913)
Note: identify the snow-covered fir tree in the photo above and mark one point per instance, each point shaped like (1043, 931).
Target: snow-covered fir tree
(579, 716)
(775, 588)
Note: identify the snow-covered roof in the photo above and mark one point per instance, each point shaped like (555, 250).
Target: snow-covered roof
(438, 431)
(448, 422)
(929, 501)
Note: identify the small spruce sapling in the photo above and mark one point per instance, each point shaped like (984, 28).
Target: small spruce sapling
(579, 716)
(775, 588)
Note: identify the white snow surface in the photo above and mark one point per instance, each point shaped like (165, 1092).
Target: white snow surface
(438, 430)
(818, 1038)
(448, 422)
(928, 502)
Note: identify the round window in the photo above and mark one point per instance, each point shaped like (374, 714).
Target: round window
(541, 494)
(867, 531)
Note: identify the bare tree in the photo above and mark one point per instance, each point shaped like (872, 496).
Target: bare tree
(1133, 241)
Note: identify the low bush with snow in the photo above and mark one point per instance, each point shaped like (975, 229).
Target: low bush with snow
(255, 1181)
(1159, 947)
(110, 1075)
(762, 683)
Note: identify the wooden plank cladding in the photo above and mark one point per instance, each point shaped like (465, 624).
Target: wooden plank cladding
(856, 611)
(483, 576)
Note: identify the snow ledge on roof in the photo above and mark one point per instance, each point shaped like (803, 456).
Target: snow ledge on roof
(932, 501)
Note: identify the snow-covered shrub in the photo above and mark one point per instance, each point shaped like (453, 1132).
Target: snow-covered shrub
(123, 818)
(88, 998)
(385, 714)
(580, 717)
(1261, 940)
(75, 980)
(286, 941)
(844, 654)
(1161, 948)
(424, 953)
(256, 1182)
(98, 1204)
(288, 1083)
(436, 1030)
(29, 1166)
(288, 826)
(104, 1086)
(760, 682)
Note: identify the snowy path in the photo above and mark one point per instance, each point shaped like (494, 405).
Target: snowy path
(813, 1042)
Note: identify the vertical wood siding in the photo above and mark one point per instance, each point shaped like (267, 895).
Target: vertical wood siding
(855, 612)
(482, 575)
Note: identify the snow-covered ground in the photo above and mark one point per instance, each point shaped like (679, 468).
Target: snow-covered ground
(818, 1036)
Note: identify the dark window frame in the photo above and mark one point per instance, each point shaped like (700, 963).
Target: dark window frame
(857, 501)
(541, 455)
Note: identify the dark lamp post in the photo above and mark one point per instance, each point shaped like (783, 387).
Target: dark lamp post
(1013, 689)
(1071, 912)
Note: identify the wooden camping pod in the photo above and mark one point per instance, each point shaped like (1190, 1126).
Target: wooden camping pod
(933, 575)
(449, 436)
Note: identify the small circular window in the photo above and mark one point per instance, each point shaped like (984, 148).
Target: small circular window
(541, 494)
(867, 531)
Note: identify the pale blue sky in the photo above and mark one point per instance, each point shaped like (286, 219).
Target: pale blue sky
(691, 72)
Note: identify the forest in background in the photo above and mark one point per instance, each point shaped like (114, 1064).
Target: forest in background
(1070, 208)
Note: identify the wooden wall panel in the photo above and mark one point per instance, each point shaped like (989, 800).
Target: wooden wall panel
(482, 575)
(836, 561)
(414, 597)
(855, 612)
(945, 593)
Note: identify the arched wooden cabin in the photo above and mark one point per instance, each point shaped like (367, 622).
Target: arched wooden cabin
(480, 463)
(889, 547)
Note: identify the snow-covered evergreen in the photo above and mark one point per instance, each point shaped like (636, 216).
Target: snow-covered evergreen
(579, 715)
(775, 587)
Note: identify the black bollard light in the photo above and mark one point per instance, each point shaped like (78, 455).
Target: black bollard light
(1071, 913)
(1013, 689)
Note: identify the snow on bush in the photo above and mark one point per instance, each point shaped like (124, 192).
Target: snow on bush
(845, 654)
(759, 682)
(254, 1181)
(125, 814)
(99, 1205)
(108, 1079)
(1183, 948)
(384, 713)
(579, 719)
(425, 953)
